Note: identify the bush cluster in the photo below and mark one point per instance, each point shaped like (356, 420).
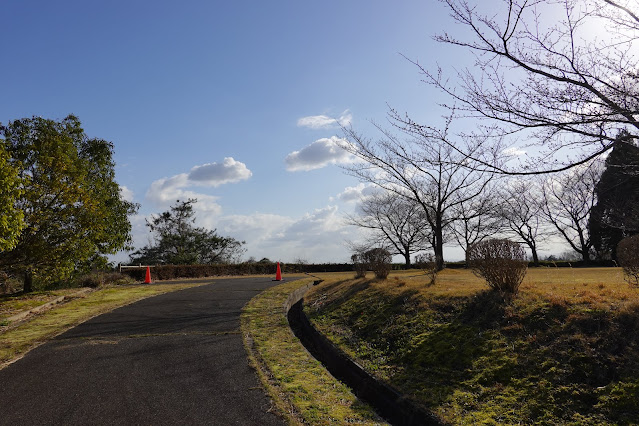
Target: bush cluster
(628, 256)
(379, 260)
(501, 262)
(101, 278)
(359, 264)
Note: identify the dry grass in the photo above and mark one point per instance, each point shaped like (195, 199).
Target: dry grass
(564, 351)
(602, 286)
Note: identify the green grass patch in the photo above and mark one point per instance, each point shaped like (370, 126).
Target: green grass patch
(298, 384)
(16, 341)
(565, 351)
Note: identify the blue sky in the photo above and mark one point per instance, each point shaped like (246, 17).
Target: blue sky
(234, 103)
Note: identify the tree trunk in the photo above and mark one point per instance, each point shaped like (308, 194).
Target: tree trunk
(439, 248)
(535, 257)
(407, 259)
(28, 282)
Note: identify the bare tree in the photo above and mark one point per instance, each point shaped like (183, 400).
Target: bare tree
(567, 201)
(520, 211)
(397, 224)
(477, 219)
(562, 75)
(423, 169)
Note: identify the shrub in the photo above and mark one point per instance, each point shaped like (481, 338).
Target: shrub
(501, 262)
(99, 278)
(426, 262)
(359, 264)
(628, 257)
(379, 260)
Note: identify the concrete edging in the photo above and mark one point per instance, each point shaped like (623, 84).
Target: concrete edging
(388, 403)
(22, 315)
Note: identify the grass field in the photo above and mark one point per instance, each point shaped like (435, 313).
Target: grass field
(565, 351)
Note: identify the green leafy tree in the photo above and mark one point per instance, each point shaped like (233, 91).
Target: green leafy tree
(179, 242)
(72, 206)
(616, 214)
(11, 187)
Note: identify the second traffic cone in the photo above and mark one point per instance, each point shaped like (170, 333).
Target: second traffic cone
(147, 278)
(278, 274)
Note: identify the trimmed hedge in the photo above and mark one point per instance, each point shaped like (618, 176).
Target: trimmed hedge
(551, 264)
(170, 272)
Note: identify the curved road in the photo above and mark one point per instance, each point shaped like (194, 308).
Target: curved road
(176, 358)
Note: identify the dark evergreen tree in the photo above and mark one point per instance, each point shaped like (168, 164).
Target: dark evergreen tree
(179, 242)
(616, 214)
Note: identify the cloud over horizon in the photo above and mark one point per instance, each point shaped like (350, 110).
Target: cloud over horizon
(317, 236)
(319, 154)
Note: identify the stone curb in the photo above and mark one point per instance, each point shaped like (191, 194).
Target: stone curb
(22, 315)
(387, 401)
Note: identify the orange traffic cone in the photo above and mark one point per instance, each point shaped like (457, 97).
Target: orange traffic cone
(147, 278)
(278, 274)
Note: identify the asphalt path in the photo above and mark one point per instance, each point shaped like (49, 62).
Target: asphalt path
(177, 358)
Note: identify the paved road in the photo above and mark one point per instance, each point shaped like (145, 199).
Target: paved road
(177, 358)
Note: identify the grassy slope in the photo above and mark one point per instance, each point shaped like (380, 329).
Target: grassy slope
(565, 352)
(299, 385)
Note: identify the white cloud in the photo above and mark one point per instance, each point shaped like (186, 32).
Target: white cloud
(166, 191)
(320, 221)
(126, 193)
(319, 154)
(318, 236)
(214, 174)
(256, 229)
(356, 193)
(324, 121)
